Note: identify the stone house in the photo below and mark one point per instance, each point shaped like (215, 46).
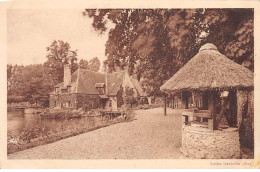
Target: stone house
(90, 90)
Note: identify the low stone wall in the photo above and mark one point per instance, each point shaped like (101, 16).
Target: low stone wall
(201, 143)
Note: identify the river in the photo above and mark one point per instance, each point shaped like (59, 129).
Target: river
(17, 121)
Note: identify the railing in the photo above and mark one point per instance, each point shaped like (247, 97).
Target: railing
(191, 115)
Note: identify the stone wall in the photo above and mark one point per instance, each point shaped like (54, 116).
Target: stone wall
(201, 143)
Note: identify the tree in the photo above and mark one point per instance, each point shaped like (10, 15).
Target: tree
(155, 43)
(10, 75)
(93, 64)
(129, 97)
(60, 53)
(84, 64)
(28, 83)
(231, 30)
(141, 41)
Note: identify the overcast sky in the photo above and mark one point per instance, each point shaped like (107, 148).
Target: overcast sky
(29, 32)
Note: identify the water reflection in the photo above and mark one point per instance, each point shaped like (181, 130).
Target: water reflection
(17, 121)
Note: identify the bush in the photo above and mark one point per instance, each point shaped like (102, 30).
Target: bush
(130, 114)
(61, 114)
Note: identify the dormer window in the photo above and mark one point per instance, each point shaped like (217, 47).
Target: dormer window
(64, 90)
(100, 87)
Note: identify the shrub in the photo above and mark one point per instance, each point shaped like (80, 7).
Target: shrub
(61, 114)
(130, 114)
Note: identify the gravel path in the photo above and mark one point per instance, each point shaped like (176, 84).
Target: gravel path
(150, 136)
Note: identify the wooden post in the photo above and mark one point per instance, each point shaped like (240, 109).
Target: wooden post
(165, 102)
(212, 107)
(214, 110)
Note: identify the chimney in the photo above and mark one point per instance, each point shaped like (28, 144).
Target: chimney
(67, 75)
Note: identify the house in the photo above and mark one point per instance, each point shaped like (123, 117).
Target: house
(90, 90)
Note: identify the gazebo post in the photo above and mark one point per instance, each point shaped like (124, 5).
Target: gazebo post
(214, 110)
(212, 107)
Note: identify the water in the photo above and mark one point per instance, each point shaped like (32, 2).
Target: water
(17, 121)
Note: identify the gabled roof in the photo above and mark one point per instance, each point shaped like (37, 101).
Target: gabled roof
(208, 70)
(138, 87)
(86, 81)
(114, 81)
(100, 85)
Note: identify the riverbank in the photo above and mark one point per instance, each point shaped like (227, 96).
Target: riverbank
(149, 136)
(42, 134)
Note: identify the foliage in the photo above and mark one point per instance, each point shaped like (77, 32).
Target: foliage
(60, 53)
(33, 83)
(28, 83)
(155, 43)
(129, 96)
(130, 114)
(61, 114)
(93, 64)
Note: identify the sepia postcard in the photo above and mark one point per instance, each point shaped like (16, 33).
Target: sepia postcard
(132, 85)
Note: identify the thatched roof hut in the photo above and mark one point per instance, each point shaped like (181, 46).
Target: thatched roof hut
(209, 70)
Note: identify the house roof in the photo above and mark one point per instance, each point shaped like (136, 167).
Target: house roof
(86, 82)
(100, 85)
(114, 81)
(210, 69)
(138, 87)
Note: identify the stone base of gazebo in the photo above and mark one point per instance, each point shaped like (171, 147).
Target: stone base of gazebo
(201, 143)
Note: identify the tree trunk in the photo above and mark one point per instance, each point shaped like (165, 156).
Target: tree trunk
(245, 118)
(165, 102)
(213, 96)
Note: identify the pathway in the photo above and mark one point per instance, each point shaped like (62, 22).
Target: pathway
(150, 136)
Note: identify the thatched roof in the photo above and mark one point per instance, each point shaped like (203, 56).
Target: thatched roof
(210, 70)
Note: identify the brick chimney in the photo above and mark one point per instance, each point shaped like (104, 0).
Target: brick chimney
(67, 75)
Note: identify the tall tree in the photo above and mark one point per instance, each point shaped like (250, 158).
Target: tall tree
(28, 83)
(84, 64)
(60, 53)
(94, 64)
(155, 43)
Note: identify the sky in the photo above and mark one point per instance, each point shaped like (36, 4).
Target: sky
(29, 32)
